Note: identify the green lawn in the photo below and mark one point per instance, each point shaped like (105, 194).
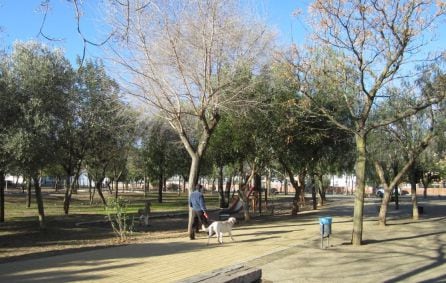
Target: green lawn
(16, 210)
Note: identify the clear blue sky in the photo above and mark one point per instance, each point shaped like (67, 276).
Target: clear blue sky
(21, 20)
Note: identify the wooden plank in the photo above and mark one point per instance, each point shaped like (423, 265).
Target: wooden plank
(233, 274)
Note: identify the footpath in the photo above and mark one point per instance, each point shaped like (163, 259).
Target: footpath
(286, 250)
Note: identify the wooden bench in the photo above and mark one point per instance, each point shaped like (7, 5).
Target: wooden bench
(234, 208)
(233, 274)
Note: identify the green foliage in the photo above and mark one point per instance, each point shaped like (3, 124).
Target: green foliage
(42, 80)
(135, 164)
(163, 153)
(222, 149)
(107, 126)
(300, 137)
(120, 220)
(8, 110)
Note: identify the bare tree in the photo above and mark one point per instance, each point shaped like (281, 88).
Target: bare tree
(189, 60)
(370, 42)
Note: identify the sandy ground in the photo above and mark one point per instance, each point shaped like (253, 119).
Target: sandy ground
(287, 249)
(404, 251)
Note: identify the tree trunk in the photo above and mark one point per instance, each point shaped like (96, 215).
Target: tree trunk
(395, 188)
(302, 185)
(268, 187)
(395, 196)
(285, 186)
(313, 191)
(413, 191)
(388, 187)
(111, 186)
(258, 189)
(70, 185)
(382, 217)
(98, 186)
(220, 187)
(146, 192)
(116, 189)
(2, 196)
(386, 198)
(193, 180)
(56, 184)
(160, 188)
(228, 189)
(67, 197)
(358, 212)
(321, 189)
(105, 184)
(39, 202)
(29, 196)
(91, 190)
(425, 182)
(295, 208)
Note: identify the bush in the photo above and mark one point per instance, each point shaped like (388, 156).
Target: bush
(120, 221)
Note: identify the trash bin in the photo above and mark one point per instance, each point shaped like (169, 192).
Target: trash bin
(325, 223)
(420, 209)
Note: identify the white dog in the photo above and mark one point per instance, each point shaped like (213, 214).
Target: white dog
(220, 227)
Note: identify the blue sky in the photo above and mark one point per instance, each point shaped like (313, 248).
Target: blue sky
(22, 19)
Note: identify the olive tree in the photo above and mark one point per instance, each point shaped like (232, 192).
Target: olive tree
(8, 114)
(43, 80)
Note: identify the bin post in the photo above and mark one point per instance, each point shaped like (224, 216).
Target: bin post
(325, 226)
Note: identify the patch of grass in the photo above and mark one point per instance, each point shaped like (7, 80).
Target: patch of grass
(15, 204)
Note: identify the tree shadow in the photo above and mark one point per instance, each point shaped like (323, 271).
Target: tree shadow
(439, 260)
(370, 242)
(105, 260)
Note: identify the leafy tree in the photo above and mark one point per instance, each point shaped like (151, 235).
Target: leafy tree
(94, 112)
(135, 165)
(303, 144)
(160, 151)
(221, 151)
(400, 144)
(373, 42)
(8, 114)
(42, 82)
(111, 137)
(74, 137)
(107, 125)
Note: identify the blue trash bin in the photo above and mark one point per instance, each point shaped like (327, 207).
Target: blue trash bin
(325, 223)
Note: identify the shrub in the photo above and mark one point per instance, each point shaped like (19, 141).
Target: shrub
(120, 221)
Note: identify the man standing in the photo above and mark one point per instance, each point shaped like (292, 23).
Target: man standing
(196, 202)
